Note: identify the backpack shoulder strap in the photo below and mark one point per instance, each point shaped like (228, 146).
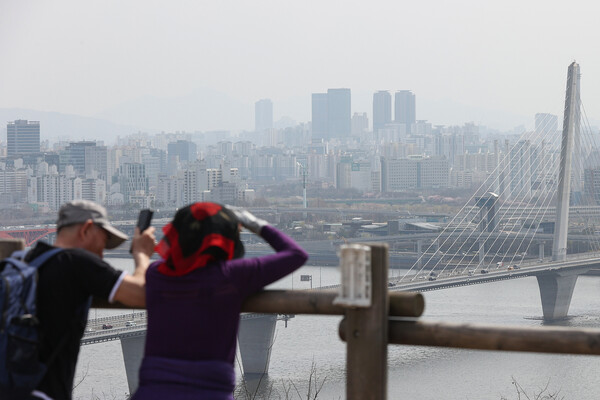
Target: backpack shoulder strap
(17, 258)
(42, 258)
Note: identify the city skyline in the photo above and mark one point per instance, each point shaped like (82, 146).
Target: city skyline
(62, 127)
(460, 59)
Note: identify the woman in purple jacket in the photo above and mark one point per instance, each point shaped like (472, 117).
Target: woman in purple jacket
(194, 296)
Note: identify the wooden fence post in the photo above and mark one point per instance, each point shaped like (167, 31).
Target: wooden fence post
(367, 336)
(7, 246)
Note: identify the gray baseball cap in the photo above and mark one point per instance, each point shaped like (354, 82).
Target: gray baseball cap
(79, 211)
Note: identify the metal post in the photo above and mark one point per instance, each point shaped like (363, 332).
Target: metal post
(367, 339)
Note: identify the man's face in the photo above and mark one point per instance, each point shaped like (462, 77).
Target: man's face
(95, 240)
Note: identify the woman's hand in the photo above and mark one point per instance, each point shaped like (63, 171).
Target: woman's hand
(249, 221)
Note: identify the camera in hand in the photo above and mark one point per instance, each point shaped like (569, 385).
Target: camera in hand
(144, 219)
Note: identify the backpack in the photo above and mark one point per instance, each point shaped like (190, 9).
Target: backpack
(20, 368)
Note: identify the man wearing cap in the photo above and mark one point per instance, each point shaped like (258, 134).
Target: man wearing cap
(69, 279)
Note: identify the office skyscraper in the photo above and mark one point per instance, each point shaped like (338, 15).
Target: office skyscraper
(405, 109)
(75, 155)
(382, 109)
(179, 153)
(133, 179)
(319, 116)
(338, 113)
(331, 114)
(263, 115)
(22, 137)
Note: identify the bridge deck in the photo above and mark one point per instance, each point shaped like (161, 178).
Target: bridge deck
(127, 325)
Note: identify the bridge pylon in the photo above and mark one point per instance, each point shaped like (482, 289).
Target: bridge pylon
(570, 127)
(556, 290)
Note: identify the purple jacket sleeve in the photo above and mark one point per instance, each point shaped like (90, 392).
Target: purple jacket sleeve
(252, 274)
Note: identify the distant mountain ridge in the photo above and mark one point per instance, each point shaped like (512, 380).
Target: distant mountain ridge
(202, 109)
(57, 126)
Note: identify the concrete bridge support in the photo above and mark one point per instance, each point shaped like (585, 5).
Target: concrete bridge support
(255, 340)
(556, 291)
(133, 352)
(436, 246)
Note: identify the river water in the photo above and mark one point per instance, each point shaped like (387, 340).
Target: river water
(413, 372)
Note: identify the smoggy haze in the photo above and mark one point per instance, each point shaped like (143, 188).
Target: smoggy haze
(202, 65)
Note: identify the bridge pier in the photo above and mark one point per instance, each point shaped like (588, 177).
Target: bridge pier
(133, 352)
(436, 246)
(419, 253)
(556, 291)
(255, 340)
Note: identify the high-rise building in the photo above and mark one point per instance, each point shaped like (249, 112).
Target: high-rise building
(319, 116)
(399, 174)
(331, 114)
(382, 109)
(263, 115)
(180, 152)
(13, 185)
(185, 150)
(133, 180)
(360, 124)
(225, 148)
(155, 162)
(22, 137)
(405, 109)
(75, 155)
(546, 123)
(96, 159)
(338, 113)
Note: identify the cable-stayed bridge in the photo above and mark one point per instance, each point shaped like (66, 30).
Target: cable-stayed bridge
(525, 200)
(517, 224)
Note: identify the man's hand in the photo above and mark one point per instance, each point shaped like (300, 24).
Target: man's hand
(132, 291)
(143, 242)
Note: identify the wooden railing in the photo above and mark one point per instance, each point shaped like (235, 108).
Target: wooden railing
(393, 319)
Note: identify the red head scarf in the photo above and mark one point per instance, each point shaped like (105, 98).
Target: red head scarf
(199, 233)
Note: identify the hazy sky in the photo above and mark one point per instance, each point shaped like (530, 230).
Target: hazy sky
(86, 57)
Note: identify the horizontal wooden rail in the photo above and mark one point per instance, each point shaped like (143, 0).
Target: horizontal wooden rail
(559, 340)
(402, 304)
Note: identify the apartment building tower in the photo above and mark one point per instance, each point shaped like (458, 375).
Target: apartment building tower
(263, 115)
